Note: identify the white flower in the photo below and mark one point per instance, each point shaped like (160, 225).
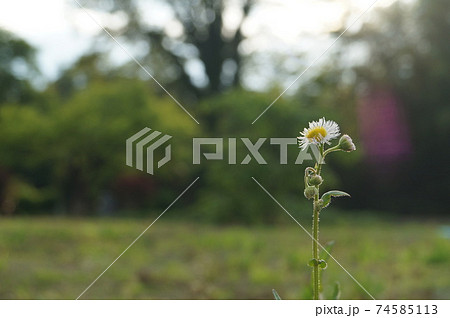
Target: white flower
(318, 132)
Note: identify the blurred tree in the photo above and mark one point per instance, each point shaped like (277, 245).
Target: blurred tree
(87, 69)
(16, 65)
(197, 36)
(90, 133)
(72, 156)
(406, 61)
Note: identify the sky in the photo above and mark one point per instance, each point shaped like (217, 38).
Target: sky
(61, 31)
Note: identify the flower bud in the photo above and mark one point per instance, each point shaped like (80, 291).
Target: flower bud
(315, 180)
(310, 192)
(346, 144)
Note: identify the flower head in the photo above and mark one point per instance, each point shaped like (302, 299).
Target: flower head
(318, 132)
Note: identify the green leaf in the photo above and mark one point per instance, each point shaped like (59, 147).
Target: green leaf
(275, 294)
(326, 197)
(323, 264)
(336, 292)
(328, 247)
(313, 262)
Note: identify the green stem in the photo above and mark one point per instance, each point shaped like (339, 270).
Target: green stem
(332, 149)
(322, 159)
(315, 250)
(315, 229)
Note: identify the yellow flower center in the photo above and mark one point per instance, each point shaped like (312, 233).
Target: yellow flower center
(317, 133)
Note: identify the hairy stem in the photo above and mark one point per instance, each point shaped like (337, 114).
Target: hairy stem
(315, 229)
(321, 159)
(315, 250)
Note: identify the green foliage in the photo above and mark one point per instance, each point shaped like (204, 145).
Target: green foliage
(323, 264)
(15, 54)
(72, 151)
(77, 148)
(57, 258)
(64, 147)
(326, 197)
(336, 291)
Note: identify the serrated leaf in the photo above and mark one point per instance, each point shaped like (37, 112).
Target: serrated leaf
(275, 294)
(326, 197)
(336, 292)
(327, 247)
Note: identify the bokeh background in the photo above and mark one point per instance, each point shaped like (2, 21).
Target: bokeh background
(70, 97)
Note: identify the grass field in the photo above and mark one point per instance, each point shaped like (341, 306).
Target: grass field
(48, 258)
